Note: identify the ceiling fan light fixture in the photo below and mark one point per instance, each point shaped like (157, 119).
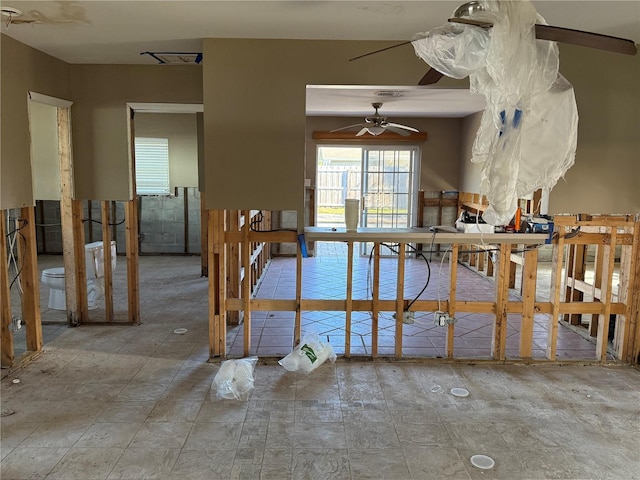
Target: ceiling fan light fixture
(375, 130)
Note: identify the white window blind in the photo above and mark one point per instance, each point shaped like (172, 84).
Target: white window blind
(152, 166)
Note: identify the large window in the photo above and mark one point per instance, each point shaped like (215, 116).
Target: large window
(152, 166)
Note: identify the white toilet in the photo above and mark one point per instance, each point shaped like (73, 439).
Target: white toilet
(94, 261)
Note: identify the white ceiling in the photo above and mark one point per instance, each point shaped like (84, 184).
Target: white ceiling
(117, 31)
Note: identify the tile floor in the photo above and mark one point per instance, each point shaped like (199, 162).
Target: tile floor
(135, 402)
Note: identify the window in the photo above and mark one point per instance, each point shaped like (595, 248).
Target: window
(152, 166)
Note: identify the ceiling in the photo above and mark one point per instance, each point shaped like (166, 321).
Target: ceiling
(118, 31)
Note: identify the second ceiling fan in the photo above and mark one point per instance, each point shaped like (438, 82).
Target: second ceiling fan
(377, 124)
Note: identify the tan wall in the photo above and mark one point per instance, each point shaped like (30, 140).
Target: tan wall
(180, 130)
(469, 171)
(254, 103)
(439, 166)
(606, 174)
(45, 162)
(23, 69)
(100, 124)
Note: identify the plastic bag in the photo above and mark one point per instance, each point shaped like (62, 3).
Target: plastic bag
(310, 353)
(528, 133)
(234, 380)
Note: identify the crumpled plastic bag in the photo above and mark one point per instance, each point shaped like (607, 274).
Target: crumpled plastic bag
(528, 133)
(310, 353)
(234, 380)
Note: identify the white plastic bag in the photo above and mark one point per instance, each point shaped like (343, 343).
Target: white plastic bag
(310, 353)
(528, 133)
(234, 380)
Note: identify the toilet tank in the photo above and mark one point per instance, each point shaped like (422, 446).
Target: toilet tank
(94, 258)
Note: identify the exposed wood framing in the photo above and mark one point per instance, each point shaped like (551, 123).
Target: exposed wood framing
(453, 277)
(529, 279)
(6, 339)
(400, 303)
(247, 280)
(108, 273)
(217, 282)
(204, 244)
(133, 260)
(28, 254)
(501, 307)
(72, 234)
(237, 262)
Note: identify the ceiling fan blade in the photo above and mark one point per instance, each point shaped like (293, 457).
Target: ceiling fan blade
(403, 127)
(362, 132)
(347, 127)
(586, 39)
(432, 76)
(381, 50)
(568, 35)
(400, 131)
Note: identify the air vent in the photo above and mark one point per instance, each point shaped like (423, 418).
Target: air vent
(176, 58)
(389, 93)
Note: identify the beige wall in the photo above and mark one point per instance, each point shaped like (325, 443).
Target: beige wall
(254, 103)
(606, 174)
(23, 69)
(439, 166)
(469, 171)
(180, 130)
(100, 119)
(45, 162)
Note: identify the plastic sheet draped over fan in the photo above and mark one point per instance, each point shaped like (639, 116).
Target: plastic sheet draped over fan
(528, 133)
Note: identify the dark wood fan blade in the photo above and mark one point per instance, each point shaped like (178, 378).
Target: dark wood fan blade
(568, 35)
(586, 39)
(432, 76)
(378, 51)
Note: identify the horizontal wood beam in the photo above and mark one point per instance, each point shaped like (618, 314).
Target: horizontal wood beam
(383, 137)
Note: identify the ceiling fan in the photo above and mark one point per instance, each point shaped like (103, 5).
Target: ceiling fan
(464, 15)
(377, 124)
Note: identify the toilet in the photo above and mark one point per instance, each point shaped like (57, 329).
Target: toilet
(94, 262)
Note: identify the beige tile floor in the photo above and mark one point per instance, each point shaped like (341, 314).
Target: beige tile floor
(135, 402)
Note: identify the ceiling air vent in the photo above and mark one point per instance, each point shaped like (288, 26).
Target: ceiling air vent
(176, 58)
(389, 93)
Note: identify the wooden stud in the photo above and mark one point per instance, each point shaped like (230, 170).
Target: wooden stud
(108, 272)
(217, 285)
(556, 286)
(375, 300)
(6, 339)
(349, 301)
(80, 270)
(400, 300)
(246, 283)
(499, 339)
(633, 302)
(602, 340)
(235, 261)
(297, 327)
(529, 278)
(204, 229)
(453, 280)
(133, 254)
(69, 247)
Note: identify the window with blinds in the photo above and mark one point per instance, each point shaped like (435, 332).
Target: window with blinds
(152, 166)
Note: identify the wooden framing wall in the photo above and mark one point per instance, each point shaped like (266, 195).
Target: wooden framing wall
(222, 302)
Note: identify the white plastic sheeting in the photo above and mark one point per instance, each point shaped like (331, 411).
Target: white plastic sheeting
(528, 132)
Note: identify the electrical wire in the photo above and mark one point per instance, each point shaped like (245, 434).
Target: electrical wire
(258, 219)
(13, 238)
(99, 222)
